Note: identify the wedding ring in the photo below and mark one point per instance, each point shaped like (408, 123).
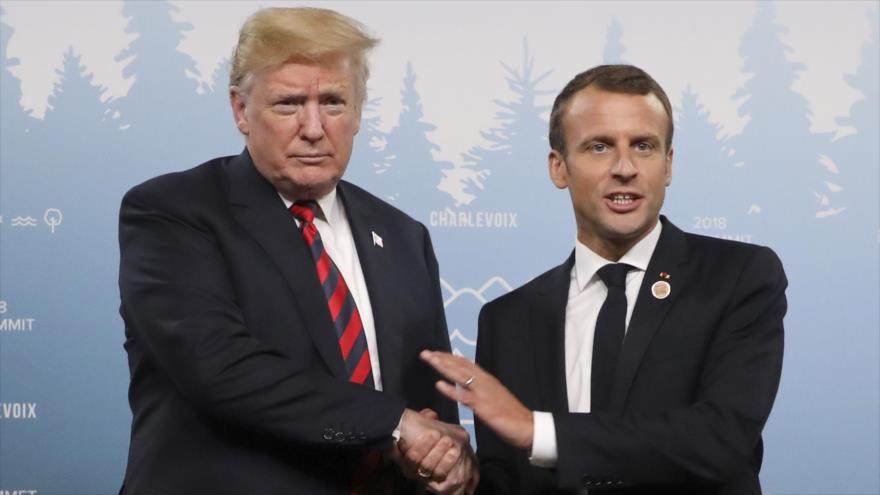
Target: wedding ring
(468, 382)
(423, 473)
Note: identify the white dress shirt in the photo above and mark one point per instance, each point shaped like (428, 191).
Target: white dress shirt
(586, 294)
(332, 225)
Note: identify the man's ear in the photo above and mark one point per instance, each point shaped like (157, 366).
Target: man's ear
(238, 101)
(557, 168)
(669, 167)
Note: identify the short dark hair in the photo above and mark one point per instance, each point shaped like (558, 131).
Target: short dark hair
(627, 79)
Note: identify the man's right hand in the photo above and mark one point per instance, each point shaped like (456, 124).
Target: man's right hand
(428, 449)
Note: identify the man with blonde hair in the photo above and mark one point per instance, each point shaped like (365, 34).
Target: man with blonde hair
(274, 313)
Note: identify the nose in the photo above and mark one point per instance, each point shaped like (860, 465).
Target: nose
(311, 125)
(624, 169)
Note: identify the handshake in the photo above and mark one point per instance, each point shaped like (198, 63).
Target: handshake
(439, 453)
(436, 453)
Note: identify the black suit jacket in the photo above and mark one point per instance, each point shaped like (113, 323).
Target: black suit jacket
(694, 385)
(237, 381)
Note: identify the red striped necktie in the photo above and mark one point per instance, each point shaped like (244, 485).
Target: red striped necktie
(343, 310)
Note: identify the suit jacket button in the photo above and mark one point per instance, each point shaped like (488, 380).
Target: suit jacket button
(328, 434)
(340, 436)
(619, 482)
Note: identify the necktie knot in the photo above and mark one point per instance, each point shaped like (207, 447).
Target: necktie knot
(305, 211)
(614, 274)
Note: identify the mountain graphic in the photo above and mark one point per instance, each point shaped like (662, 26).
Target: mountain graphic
(492, 286)
(457, 335)
(458, 341)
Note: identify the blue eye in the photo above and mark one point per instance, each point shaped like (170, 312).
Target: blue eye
(599, 147)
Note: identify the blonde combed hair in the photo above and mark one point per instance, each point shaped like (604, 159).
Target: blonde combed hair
(273, 36)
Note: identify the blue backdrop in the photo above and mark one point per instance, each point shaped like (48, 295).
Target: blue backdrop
(495, 219)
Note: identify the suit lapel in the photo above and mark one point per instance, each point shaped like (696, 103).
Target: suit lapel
(261, 212)
(378, 268)
(548, 335)
(670, 256)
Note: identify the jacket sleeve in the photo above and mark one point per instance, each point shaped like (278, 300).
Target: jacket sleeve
(713, 439)
(179, 305)
(445, 408)
(498, 461)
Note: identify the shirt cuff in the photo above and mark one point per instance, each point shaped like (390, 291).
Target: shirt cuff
(544, 452)
(396, 433)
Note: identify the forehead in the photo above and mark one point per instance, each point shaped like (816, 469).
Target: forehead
(327, 74)
(593, 110)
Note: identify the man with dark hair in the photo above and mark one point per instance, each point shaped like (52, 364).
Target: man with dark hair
(625, 79)
(648, 362)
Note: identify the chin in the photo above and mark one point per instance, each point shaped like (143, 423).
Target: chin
(628, 232)
(313, 189)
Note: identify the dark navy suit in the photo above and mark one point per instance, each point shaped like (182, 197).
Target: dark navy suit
(694, 385)
(237, 381)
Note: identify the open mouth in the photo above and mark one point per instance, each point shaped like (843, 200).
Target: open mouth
(620, 202)
(622, 199)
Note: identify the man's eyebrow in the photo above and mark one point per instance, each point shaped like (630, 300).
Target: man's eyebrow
(292, 94)
(646, 137)
(337, 90)
(287, 94)
(601, 138)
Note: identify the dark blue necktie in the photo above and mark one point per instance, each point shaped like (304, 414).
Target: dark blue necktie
(608, 339)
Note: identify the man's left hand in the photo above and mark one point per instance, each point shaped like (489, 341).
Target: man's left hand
(485, 395)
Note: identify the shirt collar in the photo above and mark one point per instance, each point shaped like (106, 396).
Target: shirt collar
(587, 262)
(328, 203)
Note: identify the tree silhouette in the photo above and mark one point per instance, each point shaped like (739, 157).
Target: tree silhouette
(833, 293)
(75, 107)
(368, 161)
(16, 126)
(863, 114)
(614, 49)
(859, 153)
(76, 124)
(219, 86)
(714, 186)
(217, 134)
(776, 146)
(506, 180)
(413, 175)
(517, 149)
(162, 105)
(66, 177)
(517, 155)
(14, 120)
